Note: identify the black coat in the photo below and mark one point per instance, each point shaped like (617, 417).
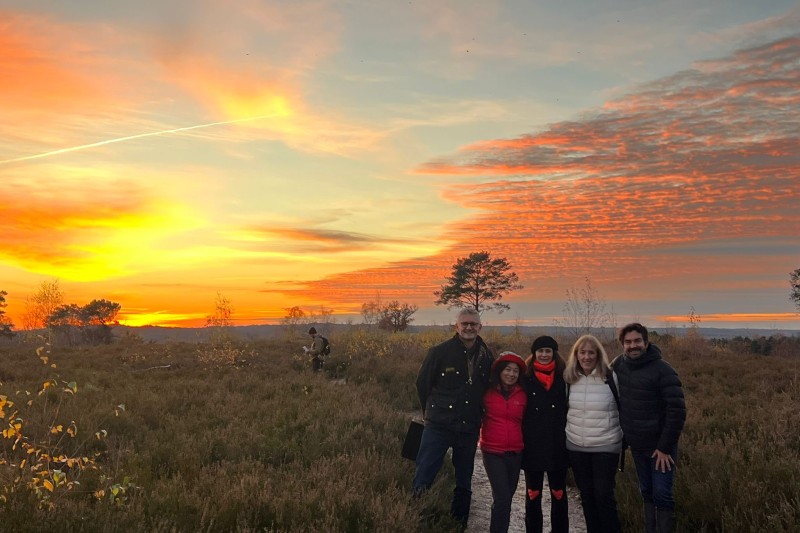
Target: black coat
(450, 397)
(652, 409)
(544, 424)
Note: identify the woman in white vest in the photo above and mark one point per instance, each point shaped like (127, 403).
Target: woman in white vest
(594, 437)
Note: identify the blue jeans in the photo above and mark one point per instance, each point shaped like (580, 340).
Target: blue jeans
(432, 449)
(655, 486)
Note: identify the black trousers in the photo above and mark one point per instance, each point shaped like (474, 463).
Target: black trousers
(595, 475)
(503, 473)
(559, 508)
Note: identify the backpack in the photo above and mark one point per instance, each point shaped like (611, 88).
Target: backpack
(326, 346)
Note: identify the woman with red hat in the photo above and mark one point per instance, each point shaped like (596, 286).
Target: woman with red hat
(501, 435)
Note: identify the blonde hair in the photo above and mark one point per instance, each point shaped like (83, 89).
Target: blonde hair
(573, 373)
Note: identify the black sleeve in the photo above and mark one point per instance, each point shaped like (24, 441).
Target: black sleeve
(674, 406)
(426, 378)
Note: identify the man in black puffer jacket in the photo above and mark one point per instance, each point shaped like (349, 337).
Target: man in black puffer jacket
(652, 414)
(450, 385)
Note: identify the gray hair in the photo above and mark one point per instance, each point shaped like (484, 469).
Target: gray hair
(471, 312)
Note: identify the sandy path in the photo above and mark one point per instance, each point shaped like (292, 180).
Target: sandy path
(481, 509)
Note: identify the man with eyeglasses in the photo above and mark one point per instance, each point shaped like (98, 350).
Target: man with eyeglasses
(450, 385)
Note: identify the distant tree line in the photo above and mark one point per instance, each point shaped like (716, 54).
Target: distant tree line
(474, 281)
(88, 324)
(774, 345)
(777, 345)
(68, 323)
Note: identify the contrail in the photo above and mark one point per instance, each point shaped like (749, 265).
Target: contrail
(130, 137)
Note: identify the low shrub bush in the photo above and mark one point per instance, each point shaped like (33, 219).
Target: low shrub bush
(268, 445)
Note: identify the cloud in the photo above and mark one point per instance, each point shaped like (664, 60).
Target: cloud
(325, 237)
(274, 39)
(259, 65)
(774, 28)
(47, 65)
(235, 93)
(412, 280)
(707, 159)
(68, 84)
(314, 241)
(83, 224)
(63, 82)
(52, 73)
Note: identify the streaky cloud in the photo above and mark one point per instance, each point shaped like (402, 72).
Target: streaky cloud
(645, 188)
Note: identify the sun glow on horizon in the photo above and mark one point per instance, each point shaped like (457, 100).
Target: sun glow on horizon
(765, 318)
(162, 319)
(266, 316)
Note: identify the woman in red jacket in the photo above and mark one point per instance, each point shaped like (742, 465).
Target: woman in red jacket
(501, 435)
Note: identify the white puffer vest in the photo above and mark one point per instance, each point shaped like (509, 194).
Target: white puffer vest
(592, 418)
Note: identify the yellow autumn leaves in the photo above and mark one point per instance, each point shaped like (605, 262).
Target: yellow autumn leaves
(44, 457)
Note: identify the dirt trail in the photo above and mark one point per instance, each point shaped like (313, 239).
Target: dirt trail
(481, 509)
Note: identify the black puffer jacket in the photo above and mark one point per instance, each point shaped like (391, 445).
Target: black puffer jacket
(544, 423)
(652, 409)
(451, 398)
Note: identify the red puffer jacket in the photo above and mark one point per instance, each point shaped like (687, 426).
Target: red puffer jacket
(501, 430)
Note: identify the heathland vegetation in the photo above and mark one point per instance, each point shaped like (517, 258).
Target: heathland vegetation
(234, 435)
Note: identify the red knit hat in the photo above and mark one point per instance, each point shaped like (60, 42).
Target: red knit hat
(511, 357)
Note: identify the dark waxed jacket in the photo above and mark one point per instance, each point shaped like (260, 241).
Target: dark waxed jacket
(652, 409)
(544, 423)
(450, 397)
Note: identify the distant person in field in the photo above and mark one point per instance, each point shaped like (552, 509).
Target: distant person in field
(594, 436)
(315, 350)
(652, 414)
(451, 382)
(501, 435)
(544, 436)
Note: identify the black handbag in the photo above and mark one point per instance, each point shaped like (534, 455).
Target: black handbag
(413, 438)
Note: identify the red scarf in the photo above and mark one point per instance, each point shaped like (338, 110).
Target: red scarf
(545, 373)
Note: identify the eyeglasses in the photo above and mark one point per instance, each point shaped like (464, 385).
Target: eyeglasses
(469, 324)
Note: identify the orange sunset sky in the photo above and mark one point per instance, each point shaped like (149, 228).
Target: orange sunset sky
(320, 153)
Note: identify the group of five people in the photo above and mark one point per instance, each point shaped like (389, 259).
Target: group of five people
(544, 415)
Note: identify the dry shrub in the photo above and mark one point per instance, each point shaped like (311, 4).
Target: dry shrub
(269, 447)
(275, 447)
(47, 458)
